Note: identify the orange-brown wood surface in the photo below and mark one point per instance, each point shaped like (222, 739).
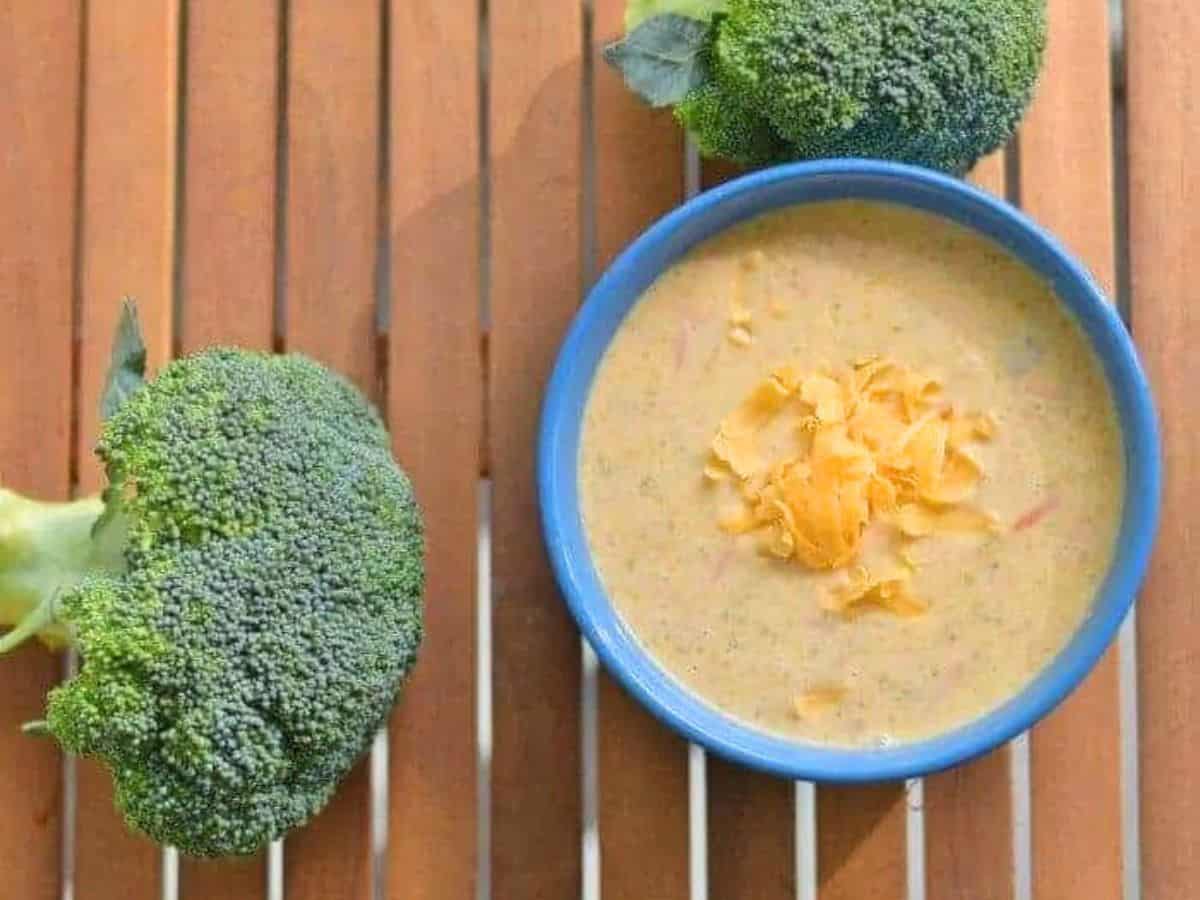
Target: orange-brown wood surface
(39, 66)
(230, 118)
(435, 402)
(1066, 184)
(1163, 76)
(332, 229)
(751, 818)
(643, 770)
(534, 164)
(127, 231)
(228, 232)
(968, 811)
(491, 235)
(861, 843)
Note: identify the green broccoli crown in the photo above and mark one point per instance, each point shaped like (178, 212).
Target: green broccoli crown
(269, 608)
(724, 126)
(938, 83)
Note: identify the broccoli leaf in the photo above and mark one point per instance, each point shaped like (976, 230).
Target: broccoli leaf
(127, 367)
(663, 58)
(638, 11)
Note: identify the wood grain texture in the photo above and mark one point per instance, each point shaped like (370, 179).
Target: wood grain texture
(39, 66)
(329, 311)
(1163, 76)
(534, 167)
(333, 192)
(1066, 184)
(968, 811)
(989, 174)
(751, 838)
(230, 121)
(968, 831)
(643, 767)
(128, 228)
(435, 405)
(861, 835)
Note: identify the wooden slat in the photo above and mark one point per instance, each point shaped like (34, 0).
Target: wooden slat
(230, 118)
(1066, 184)
(989, 174)
(1164, 132)
(861, 834)
(751, 817)
(968, 811)
(435, 403)
(643, 769)
(131, 74)
(39, 66)
(751, 846)
(968, 831)
(534, 166)
(332, 215)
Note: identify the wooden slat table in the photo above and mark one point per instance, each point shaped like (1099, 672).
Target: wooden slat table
(420, 194)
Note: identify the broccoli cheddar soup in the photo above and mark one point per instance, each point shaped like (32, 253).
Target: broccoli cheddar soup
(851, 474)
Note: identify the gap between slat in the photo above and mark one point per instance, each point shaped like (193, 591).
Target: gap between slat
(1018, 757)
(170, 873)
(70, 797)
(806, 841)
(380, 801)
(1022, 839)
(483, 603)
(588, 727)
(282, 160)
(914, 828)
(483, 696)
(697, 764)
(1127, 673)
(379, 814)
(274, 886)
(275, 871)
(697, 823)
(589, 675)
(1131, 843)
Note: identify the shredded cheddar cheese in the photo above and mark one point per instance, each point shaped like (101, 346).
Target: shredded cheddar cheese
(741, 317)
(864, 591)
(875, 442)
(817, 700)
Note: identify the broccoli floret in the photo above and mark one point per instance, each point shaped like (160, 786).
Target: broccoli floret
(938, 83)
(248, 606)
(724, 126)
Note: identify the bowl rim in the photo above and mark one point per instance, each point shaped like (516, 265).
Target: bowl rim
(609, 301)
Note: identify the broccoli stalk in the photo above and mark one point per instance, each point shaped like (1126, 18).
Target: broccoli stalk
(44, 548)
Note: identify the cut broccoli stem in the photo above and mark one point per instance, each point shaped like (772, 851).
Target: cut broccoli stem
(44, 548)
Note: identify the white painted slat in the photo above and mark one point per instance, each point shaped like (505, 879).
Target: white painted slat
(483, 696)
(914, 791)
(1022, 832)
(806, 841)
(697, 823)
(275, 871)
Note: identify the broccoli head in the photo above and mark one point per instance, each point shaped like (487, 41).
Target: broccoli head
(246, 598)
(938, 83)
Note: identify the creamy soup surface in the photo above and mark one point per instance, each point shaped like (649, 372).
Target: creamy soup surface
(827, 284)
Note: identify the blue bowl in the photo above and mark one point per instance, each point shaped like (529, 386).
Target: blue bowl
(619, 289)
